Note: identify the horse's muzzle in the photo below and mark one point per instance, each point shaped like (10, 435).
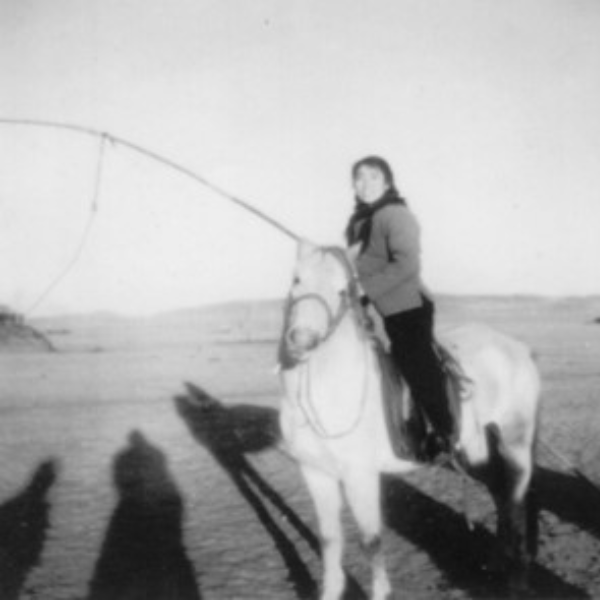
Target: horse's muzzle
(300, 341)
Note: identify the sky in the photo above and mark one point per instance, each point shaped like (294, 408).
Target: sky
(487, 112)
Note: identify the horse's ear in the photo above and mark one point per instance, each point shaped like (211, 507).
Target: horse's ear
(353, 252)
(305, 248)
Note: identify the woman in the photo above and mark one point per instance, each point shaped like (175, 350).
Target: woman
(389, 271)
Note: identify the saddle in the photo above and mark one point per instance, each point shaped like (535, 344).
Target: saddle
(407, 425)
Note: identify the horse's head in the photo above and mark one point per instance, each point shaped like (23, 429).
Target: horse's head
(323, 289)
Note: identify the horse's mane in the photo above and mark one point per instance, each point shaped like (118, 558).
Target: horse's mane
(357, 308)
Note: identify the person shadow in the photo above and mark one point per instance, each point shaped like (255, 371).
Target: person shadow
(143, 556)
(231, 432)
(24, 522)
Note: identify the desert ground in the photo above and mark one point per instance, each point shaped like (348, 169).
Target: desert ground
(111, 489)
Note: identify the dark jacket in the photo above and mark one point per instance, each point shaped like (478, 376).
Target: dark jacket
(389, 267)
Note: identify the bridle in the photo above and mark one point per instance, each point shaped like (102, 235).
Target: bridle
(333, 319)
(348, 301)
(348, 298)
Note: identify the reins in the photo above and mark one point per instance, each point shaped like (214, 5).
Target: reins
(346, 304)
(315, 421)
(333, 321)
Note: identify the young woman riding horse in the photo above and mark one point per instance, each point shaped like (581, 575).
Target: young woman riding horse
(333, 423)
(389, 272)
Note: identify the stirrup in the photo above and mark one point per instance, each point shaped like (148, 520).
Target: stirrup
(441, 450)
(451, 458)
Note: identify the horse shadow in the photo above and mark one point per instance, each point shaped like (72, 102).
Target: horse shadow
(569, 497)
(231, 432)
(143, 556)
(463, 555)
(24, 521)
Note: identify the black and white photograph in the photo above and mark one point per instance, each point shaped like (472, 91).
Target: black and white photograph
(299, 299)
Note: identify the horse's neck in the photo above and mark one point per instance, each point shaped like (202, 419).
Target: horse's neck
(331, 388)
(347, 345)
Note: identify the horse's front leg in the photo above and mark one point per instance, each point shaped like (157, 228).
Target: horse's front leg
(363, 491)
(327, 497)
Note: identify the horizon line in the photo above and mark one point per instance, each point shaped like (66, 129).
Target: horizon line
(112, 313)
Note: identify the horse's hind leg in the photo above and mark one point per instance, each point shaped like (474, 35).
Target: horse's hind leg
(363, 492)
(509, 482)
(327, 497)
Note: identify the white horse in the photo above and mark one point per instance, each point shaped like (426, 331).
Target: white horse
(332, 416)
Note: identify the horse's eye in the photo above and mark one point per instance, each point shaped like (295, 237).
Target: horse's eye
(296, 280)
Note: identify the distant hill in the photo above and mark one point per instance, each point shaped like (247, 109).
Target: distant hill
(261, 321)
(17, 337)
(272, 309)
(243, 321)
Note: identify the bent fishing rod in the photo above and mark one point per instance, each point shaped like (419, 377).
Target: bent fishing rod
(103, 138)
(116, 140)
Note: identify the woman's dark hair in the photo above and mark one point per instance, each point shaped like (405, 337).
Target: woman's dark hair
(376, 162)
(359, 225)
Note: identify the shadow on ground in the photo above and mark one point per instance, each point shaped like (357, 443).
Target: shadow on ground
(570, 498)
(24, 521)
(463, 556)
(231, 432)
(228, 432)
(143, 556)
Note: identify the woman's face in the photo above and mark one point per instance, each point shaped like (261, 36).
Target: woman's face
(369, 184)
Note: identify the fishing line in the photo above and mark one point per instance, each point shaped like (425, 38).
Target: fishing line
(86, 231)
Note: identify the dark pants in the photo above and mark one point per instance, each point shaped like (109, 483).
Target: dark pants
(411, 337)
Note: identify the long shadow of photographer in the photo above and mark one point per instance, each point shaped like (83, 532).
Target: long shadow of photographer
(143, 556)
(229, 432)
(24, 521)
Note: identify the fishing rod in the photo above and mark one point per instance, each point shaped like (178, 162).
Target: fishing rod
(103, 138)
(158, 158)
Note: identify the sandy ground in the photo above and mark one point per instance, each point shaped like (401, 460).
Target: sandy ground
(108, 491)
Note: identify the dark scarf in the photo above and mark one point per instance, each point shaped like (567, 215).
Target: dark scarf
(361, 221)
